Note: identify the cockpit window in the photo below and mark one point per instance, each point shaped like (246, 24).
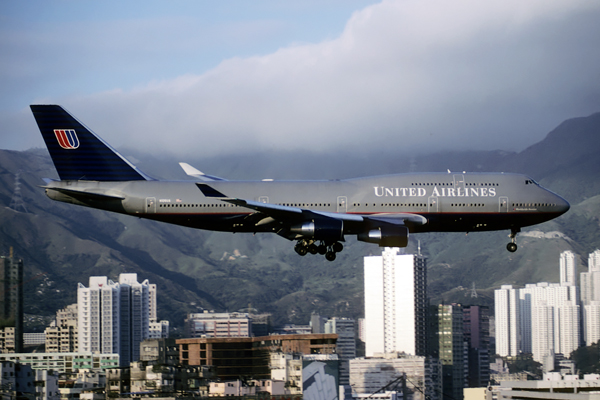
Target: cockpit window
(530, 182)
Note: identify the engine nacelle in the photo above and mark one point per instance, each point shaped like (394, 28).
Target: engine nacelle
(386, 236)
(325, 229)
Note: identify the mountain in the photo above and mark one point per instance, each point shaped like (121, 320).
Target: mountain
(63, 245)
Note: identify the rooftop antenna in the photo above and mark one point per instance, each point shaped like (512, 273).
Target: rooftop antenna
(419, 247)
(16, 203)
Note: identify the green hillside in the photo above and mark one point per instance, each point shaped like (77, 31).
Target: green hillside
(63, 245)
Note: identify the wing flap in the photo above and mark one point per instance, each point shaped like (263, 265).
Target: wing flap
(399, 219)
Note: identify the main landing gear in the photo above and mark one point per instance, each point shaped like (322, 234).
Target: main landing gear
(512, 246)
(329, 250)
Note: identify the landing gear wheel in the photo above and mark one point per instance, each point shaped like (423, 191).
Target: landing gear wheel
(512, 247)
(337, 247)
(312, 249)
(322, 249)
(330, 255)
(301, 248)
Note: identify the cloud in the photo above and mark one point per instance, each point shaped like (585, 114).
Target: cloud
(412, 75)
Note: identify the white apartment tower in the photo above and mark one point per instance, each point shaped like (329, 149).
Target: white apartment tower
(541, 318)
(591, 322)
(507, 317)
(98, 316)
(568, 268)
(113, 317)
(590, 299)
(395, 303)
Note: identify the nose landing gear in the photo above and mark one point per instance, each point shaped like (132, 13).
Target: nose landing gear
(512, 246)
(329, 250)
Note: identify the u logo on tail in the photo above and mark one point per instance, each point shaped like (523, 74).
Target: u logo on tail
(67, 138)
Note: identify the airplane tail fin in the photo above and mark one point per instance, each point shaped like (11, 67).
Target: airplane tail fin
(77, 153)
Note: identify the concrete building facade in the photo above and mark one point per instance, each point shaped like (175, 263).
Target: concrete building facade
(395, 303)
(218, 325)
(242, 356)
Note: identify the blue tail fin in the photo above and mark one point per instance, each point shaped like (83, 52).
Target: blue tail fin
(77, 153)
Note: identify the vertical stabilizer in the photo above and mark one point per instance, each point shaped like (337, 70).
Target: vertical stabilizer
(77, 153)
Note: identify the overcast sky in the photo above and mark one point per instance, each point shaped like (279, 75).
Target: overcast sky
(204, 77)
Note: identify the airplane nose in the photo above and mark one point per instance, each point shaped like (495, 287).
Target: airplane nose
(562, 206)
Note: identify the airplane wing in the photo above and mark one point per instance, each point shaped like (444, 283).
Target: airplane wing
(191, 171)
(287, 213)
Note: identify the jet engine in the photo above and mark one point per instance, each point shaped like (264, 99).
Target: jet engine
(330, 230)
(386, 236)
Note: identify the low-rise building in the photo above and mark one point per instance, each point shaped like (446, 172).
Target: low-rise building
(245, 356)
(83, 381)
(61, 335)
(46, 385)
(160, 351)
(416, 377)
(250, 388)
(553, 386)
(64, 362)
(218, 325)
(163, 379)
(287, 367)
(7, 339)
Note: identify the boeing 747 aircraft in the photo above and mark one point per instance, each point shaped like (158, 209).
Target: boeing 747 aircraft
(318, 215)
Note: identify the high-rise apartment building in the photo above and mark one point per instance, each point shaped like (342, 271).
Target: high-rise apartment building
(476, 328)
(114, 317)
(507, 318)
(590, 280)
(590, 299)
(346, 344)
(395, 303)
(135, 316)
(448, 345)
(11, 297)
(591, 323)
(568, 268)
(542, 318)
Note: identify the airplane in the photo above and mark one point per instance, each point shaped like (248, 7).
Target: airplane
(318, 215)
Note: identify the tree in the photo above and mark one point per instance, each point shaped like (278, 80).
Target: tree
(587, 359)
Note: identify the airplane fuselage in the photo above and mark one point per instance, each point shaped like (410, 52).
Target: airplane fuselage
(450, 202)
(382, 210)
